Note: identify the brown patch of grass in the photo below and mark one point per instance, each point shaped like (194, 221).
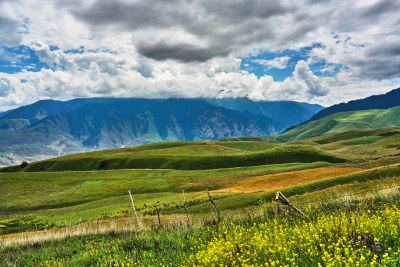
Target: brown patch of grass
(102, 226)
(286, 179)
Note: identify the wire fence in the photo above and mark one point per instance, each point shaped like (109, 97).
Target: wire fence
(338, 196)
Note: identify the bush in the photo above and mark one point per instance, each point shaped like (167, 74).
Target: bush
(24, 164)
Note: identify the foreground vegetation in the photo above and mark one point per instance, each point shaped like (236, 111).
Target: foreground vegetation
(356, 233)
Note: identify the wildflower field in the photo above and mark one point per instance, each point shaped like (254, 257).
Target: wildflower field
(358, 233)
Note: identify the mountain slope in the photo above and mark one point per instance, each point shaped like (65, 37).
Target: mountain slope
(288, 112)
(383, 101)
(338, 122)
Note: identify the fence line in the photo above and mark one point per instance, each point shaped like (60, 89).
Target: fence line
(92, 227)
(343, 196)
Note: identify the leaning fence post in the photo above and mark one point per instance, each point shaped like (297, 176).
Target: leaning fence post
(214, 206)
(134, 210)
(158, 215)
(185, 205)
(282, 199)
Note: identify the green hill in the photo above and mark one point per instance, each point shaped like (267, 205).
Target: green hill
(183, 156)
(338, 122)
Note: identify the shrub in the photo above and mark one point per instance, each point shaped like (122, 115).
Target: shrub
(24, 164)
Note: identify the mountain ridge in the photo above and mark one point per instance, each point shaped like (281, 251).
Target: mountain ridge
(382, 101)
(342, 121)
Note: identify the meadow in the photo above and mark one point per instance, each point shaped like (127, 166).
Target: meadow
(338, 233)
(76, 209)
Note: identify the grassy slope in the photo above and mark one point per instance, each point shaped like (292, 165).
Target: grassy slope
(60, 196)
(343, 121)
(184, 156)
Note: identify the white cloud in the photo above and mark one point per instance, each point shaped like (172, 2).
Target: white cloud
(276, 63)
(303, 73)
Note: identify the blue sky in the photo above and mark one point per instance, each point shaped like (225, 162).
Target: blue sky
(259, 64)
(322, 52)
(22, 58)
(17, 59)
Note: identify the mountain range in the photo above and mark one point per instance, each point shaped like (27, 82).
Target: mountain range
(50, 128)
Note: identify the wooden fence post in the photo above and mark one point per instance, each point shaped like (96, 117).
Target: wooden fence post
(214, 206)
(158, 215)
(79, 224)
(282, 199)
(185, 205)
(134, 210)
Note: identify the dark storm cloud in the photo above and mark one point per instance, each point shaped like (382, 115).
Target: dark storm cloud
(181, 52)
(380, 8)
(8, 31)
(134, 16)
(382, 60)
(221, 26)
(168, 13)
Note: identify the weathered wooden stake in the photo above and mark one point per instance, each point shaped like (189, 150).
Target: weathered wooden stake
(79, 224)
(134, 210)
(282, 199)
(185, 205)
(158, 215)
(214, 206)
(98, 224)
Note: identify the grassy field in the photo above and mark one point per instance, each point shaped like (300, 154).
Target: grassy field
(183, 156)
(52, 201)
(337, 233)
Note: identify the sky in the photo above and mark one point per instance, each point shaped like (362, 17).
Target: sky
(315, 51)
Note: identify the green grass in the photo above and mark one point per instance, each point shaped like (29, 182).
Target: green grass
(184, 156)
(363, 231)
(106, 196)
(58, 196)
(344, 121)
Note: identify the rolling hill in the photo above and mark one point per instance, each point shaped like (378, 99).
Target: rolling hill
(383, 101)
(183, 156)
(343, 121)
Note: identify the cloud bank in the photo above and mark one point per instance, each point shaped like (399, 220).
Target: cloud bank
(177, 48)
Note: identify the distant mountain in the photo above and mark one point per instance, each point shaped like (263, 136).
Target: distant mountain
(388, 100)
(338, 122)
(287, 112)
(45, 108)
(51, 128)
(3, 113)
